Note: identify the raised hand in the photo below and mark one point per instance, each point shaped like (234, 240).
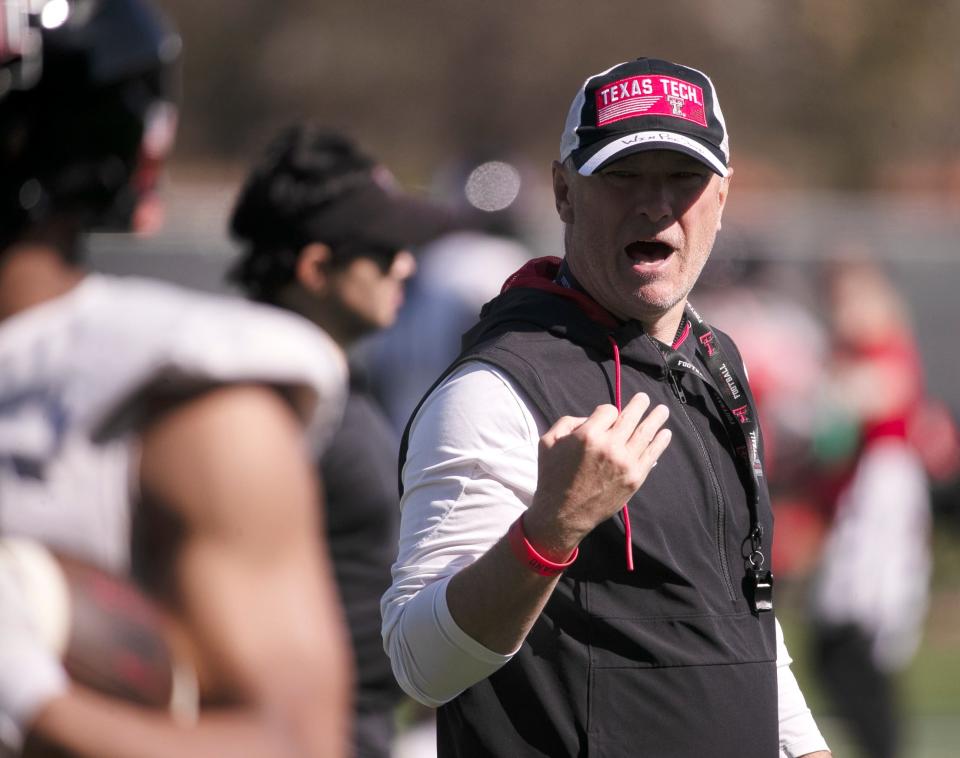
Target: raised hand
(588, 468)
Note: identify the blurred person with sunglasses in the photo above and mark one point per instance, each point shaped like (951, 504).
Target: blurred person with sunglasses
(326, 233)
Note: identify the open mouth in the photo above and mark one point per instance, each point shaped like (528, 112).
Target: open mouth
(648, 251)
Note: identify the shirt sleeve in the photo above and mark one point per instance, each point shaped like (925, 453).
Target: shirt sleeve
(182, 341)
(470, 471)
(799, 734)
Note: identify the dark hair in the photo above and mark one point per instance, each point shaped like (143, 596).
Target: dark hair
(303, 171)
(261, 273)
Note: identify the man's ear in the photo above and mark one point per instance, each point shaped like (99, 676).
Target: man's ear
(561, 192)
(313, 266)
(722, 195)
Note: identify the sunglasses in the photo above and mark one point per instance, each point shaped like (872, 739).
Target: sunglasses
(382, 255)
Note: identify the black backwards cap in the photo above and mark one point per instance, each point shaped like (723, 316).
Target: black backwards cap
(645, 104)
(314, 185)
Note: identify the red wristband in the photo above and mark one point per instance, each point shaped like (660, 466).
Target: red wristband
(527, 554)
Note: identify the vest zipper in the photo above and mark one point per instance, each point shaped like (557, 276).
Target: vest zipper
(714, 481)
(721, 508)
(677, 389)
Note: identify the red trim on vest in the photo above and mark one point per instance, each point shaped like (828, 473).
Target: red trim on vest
(540, 273)
(687, 326)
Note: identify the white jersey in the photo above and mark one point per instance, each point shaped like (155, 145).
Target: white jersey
(75, 373)
(880, 544)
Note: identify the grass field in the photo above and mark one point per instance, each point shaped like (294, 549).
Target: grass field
(930, 688)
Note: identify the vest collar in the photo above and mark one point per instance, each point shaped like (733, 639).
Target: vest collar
(533, 294)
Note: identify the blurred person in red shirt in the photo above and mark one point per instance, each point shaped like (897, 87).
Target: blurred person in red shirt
(784, 344)
(871, 589)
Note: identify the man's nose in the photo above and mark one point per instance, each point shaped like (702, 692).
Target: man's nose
(404, 265)
(653, 200)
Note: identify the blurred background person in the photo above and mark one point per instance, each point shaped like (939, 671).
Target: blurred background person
(870, 592)
(784, 346)
(456, 274)
(146, 430)
(327, 233)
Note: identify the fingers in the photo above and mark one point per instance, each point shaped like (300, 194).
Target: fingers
(636, 430)
(590, 466)
(629, 426)
(564, 426)
(644, 432)
(655, 449)
(602, 418)
(631, 414)
(646, 458)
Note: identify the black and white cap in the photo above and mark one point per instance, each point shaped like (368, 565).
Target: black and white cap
(645, 104)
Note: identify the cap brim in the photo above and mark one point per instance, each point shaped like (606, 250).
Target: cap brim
(411, 221)
(622, 145)
(386, 218)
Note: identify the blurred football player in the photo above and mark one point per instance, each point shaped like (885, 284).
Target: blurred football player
(150, 431)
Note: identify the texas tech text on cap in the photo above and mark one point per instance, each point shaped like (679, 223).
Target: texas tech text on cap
(645, 104)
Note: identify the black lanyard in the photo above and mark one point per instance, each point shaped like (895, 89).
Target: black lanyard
(740, 419)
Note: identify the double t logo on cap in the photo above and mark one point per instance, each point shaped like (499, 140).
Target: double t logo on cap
(645, 104)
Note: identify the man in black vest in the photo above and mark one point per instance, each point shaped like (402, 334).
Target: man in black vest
(326, 233)
(585, 526)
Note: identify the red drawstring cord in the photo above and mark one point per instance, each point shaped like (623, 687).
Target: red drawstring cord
(625, 513)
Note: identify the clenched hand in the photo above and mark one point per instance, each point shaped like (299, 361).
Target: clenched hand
(588, 468)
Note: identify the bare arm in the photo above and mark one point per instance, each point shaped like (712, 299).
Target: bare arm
(255, 592)
(588, 468)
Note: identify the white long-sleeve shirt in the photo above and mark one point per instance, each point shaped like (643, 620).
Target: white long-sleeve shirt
(471, 471)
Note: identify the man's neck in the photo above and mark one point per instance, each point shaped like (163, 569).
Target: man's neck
(664, 327)
(31, 274)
